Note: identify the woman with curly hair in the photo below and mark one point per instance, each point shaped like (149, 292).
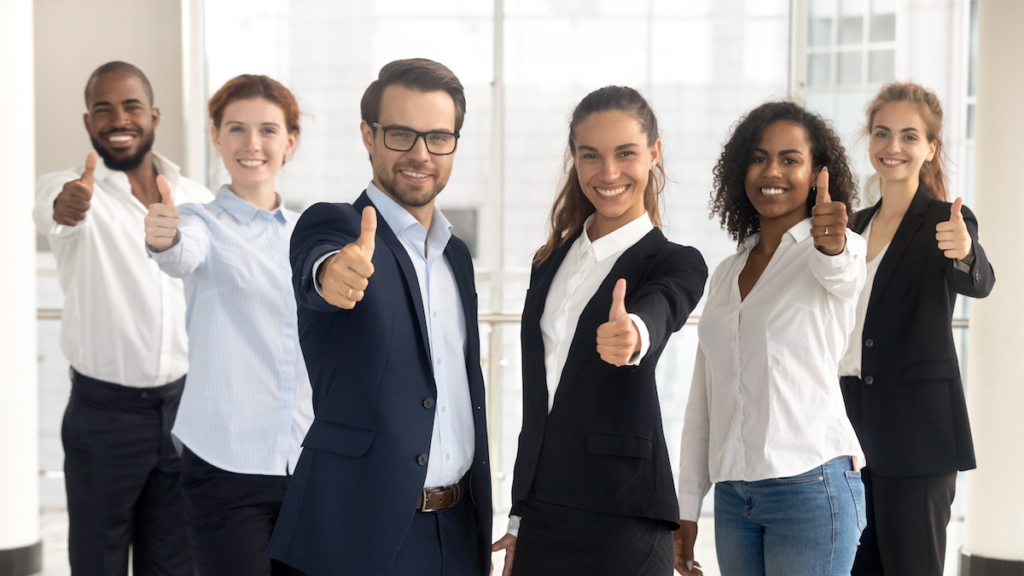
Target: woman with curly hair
(765, 420)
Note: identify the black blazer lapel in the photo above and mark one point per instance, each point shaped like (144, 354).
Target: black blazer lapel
(908, 227)
(584, 342)
(462, 266)
(412, 285)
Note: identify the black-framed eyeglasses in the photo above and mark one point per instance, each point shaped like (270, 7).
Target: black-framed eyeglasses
(402, 139)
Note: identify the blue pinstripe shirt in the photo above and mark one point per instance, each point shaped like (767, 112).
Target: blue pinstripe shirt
(247, 403)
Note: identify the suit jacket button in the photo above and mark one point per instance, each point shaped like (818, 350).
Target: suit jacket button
(977, 276)
(869, 343)
(422, 459)
(869, 380)
(428, 403)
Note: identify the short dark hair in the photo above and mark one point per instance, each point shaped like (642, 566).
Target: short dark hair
(729, 200)
(417, 74)
(118, 66)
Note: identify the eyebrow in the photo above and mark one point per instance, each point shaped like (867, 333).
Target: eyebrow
(781, 153)
(887, 129)
(123, 102)
(401, 127)
(620, 147)
(243, 123)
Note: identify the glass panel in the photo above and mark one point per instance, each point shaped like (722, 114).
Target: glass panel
(972, 79)
(851, 29)
(849, 67)
(819, 102)
(819, 32)
(881, 66)
(883, 27)
(970, 121)
(819, 69)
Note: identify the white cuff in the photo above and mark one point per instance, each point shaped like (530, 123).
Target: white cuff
(645, 340)
(513, 525)
(316, 271)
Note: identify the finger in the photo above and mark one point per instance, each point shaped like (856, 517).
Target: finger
(954, 210)
(368, 230)
(165, 191)
(90, 166)
(618, 301)
(822, 185)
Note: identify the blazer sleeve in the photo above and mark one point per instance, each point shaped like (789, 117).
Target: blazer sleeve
(671, 290)
(322, 228)
(978, 280)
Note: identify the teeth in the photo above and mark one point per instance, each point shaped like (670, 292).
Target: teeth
(611, 192)
(120, 138)
(892, 162)
(772, 191)
(252, 163)
(414, 174)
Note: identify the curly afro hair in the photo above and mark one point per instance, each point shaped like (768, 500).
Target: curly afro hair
(729, 199)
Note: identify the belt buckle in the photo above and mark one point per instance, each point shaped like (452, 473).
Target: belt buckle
(426, 507)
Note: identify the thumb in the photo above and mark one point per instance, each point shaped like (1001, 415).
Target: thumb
(618, 301)
(954, 210)
(368, 231)
(822, 186)
(165, 191)
(90, 166)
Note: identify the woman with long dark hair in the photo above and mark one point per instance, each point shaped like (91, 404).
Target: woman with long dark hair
(765, 421)
(900, 375)
(592, 492)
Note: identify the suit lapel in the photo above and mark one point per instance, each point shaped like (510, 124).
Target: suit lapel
(630, 266)
(412, 285)
(908, 227)
(462, 267)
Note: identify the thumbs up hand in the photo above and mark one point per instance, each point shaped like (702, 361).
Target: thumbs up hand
(618, 338)
(828, 219)
(954, 240)
(162, 219)
(345, 275)
(73, 201)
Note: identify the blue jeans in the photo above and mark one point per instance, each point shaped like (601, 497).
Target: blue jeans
(806, 525)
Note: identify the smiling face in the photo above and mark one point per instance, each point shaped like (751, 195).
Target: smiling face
(253, 141)
(415, 177)
(899, 143)
(780, 172)
(120, 120)
(613, 164)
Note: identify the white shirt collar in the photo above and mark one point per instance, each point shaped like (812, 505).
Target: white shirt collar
(615, 241)
(799, 232)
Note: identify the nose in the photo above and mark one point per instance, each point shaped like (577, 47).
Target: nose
(120, 118)
(419, 150)
(609, 170)
(893, 146)
(772, 169)
(254, 141)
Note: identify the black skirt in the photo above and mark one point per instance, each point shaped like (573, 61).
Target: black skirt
(561, 541)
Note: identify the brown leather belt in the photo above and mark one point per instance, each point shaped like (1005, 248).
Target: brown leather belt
(434, 499)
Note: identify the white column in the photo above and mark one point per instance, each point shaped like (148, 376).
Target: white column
(995, 514)
(20, 549)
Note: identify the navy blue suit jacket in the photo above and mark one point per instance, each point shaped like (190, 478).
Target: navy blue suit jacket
(354, 491)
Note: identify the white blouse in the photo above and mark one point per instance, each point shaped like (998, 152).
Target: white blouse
(850, 364)
(765, 399)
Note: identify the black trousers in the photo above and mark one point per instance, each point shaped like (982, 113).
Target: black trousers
(907, 519)
(442, 543)
(122, 477)
(230, 518)
(560, 541)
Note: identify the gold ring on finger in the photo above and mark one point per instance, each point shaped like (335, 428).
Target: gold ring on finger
(349, 293)
(826, 230)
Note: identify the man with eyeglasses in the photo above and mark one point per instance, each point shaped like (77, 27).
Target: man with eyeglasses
(394, 477)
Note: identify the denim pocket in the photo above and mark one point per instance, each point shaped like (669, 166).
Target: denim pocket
(814, 475)
(857, 489)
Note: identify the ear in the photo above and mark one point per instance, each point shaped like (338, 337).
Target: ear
(156, 116)
(368, 136)
(85, 120)
(215, 137)
(655, 153)
(932, 146)
(293, 143)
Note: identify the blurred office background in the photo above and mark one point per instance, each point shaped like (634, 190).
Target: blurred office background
(525, 64)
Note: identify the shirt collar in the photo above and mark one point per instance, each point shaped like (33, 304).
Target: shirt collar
(404, 223)
(243, 211)
(799, 232)
(163, 166)
(616, 241)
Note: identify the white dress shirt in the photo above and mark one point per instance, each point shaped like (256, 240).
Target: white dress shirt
(585, 267)
(453, 440)
(248, 403)
(765, 399)
(123, 320)
(850, 364)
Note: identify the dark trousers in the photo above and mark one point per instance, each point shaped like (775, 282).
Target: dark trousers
(230, 518)
(122, 477)
(561, 541)
(907, 519)
(442, 543)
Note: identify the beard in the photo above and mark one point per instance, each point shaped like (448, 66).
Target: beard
(403, 192)
(128, 163)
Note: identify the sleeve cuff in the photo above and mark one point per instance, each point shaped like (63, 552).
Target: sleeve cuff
(319, 290)
(645, 340)
(513, 525)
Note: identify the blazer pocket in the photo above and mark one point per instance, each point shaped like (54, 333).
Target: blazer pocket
(338, 439)
(629, 445)
(931, 371)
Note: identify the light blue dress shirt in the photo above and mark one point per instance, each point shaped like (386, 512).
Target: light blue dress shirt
(247, 403)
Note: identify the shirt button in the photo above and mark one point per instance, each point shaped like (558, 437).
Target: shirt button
(869, 380)
(447, 456)
(444, 408)
(145, 394)
(422, 460)
(435, 313)
(738, 441)
(869, 343)
(438, 361)
(428, 403)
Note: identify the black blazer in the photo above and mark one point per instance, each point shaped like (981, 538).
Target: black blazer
(602, 447)
(353, 494)
(908, 409)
